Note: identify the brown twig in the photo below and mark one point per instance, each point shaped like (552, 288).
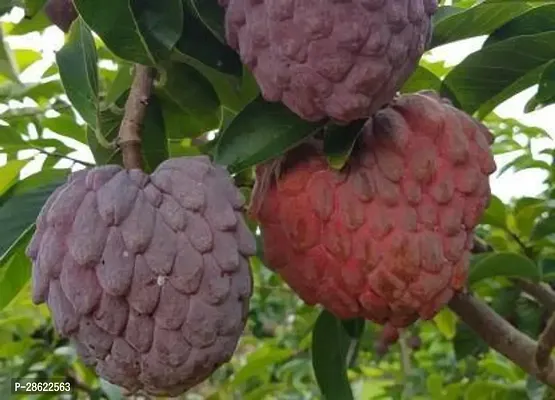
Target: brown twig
(129, 138)
(546, 342)
(502, 336)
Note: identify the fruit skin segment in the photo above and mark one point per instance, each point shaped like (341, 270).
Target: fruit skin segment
(388, 237)
(342, 59)
(147, 275)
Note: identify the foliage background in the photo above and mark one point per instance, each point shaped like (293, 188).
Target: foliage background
(49, 115)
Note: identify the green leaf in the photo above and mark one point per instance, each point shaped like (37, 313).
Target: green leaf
(547, 265)
(26, 58)
(109, 125)
(194, 96)
(17, 271)
(138, 31)
(120, 84)
(33, 6)
(446, 322)
(37, 22)
(543, 228)
(421, 79)
(532, 21)
(505, 300)
(526, 216)
(153, 136)
(212, 15)
(504, 264)
(8, 64)
(65, 125)
(25, 199)
(77, 61)
(9, 173)
(330, 345)
(258, 362)
(212, 53)
(514, 64)
(354, 327)
(495, 214)
(154, 146)
(339, 142)
(530, 316)
(467, 343)
(434, 384)
(475, 21)
(546, 87)
(260, 132)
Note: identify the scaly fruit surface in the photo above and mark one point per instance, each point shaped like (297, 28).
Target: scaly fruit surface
(342, 59)
(388, 237)
(148, 275)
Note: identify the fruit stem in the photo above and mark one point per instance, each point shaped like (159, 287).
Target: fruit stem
(502, 336)
(129, 137)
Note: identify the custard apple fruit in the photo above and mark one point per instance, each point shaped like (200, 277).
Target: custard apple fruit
(342, 59)
(61, 13)
(148, 275)
(386, 238)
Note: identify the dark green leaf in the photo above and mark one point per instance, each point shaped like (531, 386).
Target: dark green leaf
(504, 302)
(212, 53)
(140, 31)
(120, 84)
(546, 87)
(260, 132)
(154, 146)
(543, 228)
(529, 317)
(234, 93)
(495, 214)
(330, 345)
(547, 265)
(193, 94)
(535, 20)
(33, 6)
(339, 142)
(475, 21)
(504, 264)
(467, 343)
(77, 62)
(25, 199)
(154, 143)
(212, 15)
(526, 216)
(515, 63)
(354, 327)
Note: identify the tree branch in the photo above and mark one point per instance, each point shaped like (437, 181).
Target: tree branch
(502, 336)
(546, 342)
(129, 138)
(542, 292)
